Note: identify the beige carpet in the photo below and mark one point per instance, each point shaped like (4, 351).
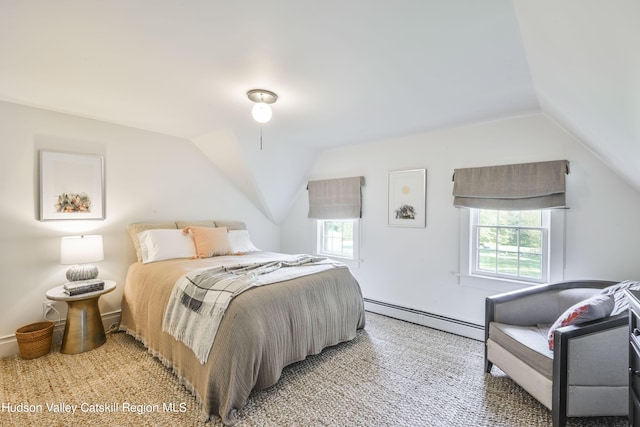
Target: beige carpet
(393, 374)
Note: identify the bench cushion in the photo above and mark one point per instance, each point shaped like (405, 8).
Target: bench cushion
(527, 343)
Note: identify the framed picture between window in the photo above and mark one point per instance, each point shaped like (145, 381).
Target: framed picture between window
(407, 198)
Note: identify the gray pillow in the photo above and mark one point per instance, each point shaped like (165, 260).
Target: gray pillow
(617, 292)
(594, 308)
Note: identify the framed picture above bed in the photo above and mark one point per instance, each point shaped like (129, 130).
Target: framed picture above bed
(71, 186)
(407, 198)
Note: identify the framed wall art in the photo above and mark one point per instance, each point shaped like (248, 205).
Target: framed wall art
(407, 198)
(71, 186)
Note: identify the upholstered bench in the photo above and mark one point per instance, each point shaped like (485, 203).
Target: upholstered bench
(580, 370)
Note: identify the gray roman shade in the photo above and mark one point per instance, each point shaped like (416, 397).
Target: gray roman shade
(512, 187)
(335, 198)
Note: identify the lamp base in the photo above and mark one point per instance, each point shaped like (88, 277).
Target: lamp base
(82, 272)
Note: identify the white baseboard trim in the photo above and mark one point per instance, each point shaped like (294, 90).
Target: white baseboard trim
(9, 345)
(435, 321)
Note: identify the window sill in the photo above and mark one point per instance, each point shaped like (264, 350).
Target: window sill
(497, 284)
(335, 256)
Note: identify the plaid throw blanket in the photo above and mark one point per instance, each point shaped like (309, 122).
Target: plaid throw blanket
(200, 298)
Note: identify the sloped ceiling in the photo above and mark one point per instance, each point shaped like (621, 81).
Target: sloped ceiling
(345, 72)
(584, 58)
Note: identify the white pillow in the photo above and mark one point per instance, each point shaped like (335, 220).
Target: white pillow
(241, 242)
(161, 244)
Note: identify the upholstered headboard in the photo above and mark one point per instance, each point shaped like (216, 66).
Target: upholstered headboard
(134, 229)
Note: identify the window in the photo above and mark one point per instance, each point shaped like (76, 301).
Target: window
(510, 244)
(337, 238)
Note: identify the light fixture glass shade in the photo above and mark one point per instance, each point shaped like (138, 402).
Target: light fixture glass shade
(81, 251)
(261, 112)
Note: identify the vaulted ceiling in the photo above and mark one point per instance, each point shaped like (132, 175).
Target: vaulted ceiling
(345, 72)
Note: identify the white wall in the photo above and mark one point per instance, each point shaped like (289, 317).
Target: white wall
(149, 177)
(414, 267)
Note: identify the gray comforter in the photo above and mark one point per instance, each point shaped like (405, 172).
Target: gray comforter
(263, 330)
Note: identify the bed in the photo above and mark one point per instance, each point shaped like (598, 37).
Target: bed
(264, 328)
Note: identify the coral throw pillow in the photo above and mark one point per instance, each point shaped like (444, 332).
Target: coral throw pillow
(210, 241)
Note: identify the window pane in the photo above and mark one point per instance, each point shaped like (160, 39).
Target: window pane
(487, 248)
(531, 241)
(347, 238)
(487, 237)
(531, 265)
(347, 227)
(509, 218)
(334, 237)
(531, 218)
(508, 239)
(487, 217)
(508, 263)
(487, 260)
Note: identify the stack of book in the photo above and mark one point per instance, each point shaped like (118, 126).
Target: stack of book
(83, 286)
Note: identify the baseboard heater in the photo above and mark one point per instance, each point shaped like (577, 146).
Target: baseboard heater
(436, 321)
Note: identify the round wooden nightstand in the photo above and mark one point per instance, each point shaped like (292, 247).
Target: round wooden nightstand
(83, 330)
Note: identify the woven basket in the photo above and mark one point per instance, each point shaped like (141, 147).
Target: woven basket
(34, 340)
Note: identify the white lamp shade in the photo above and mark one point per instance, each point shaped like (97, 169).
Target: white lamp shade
(81, 249)
(261, 112)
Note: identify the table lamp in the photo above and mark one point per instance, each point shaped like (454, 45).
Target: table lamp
(81, 251)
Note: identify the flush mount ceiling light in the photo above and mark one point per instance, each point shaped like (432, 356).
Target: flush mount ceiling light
(261, 112)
